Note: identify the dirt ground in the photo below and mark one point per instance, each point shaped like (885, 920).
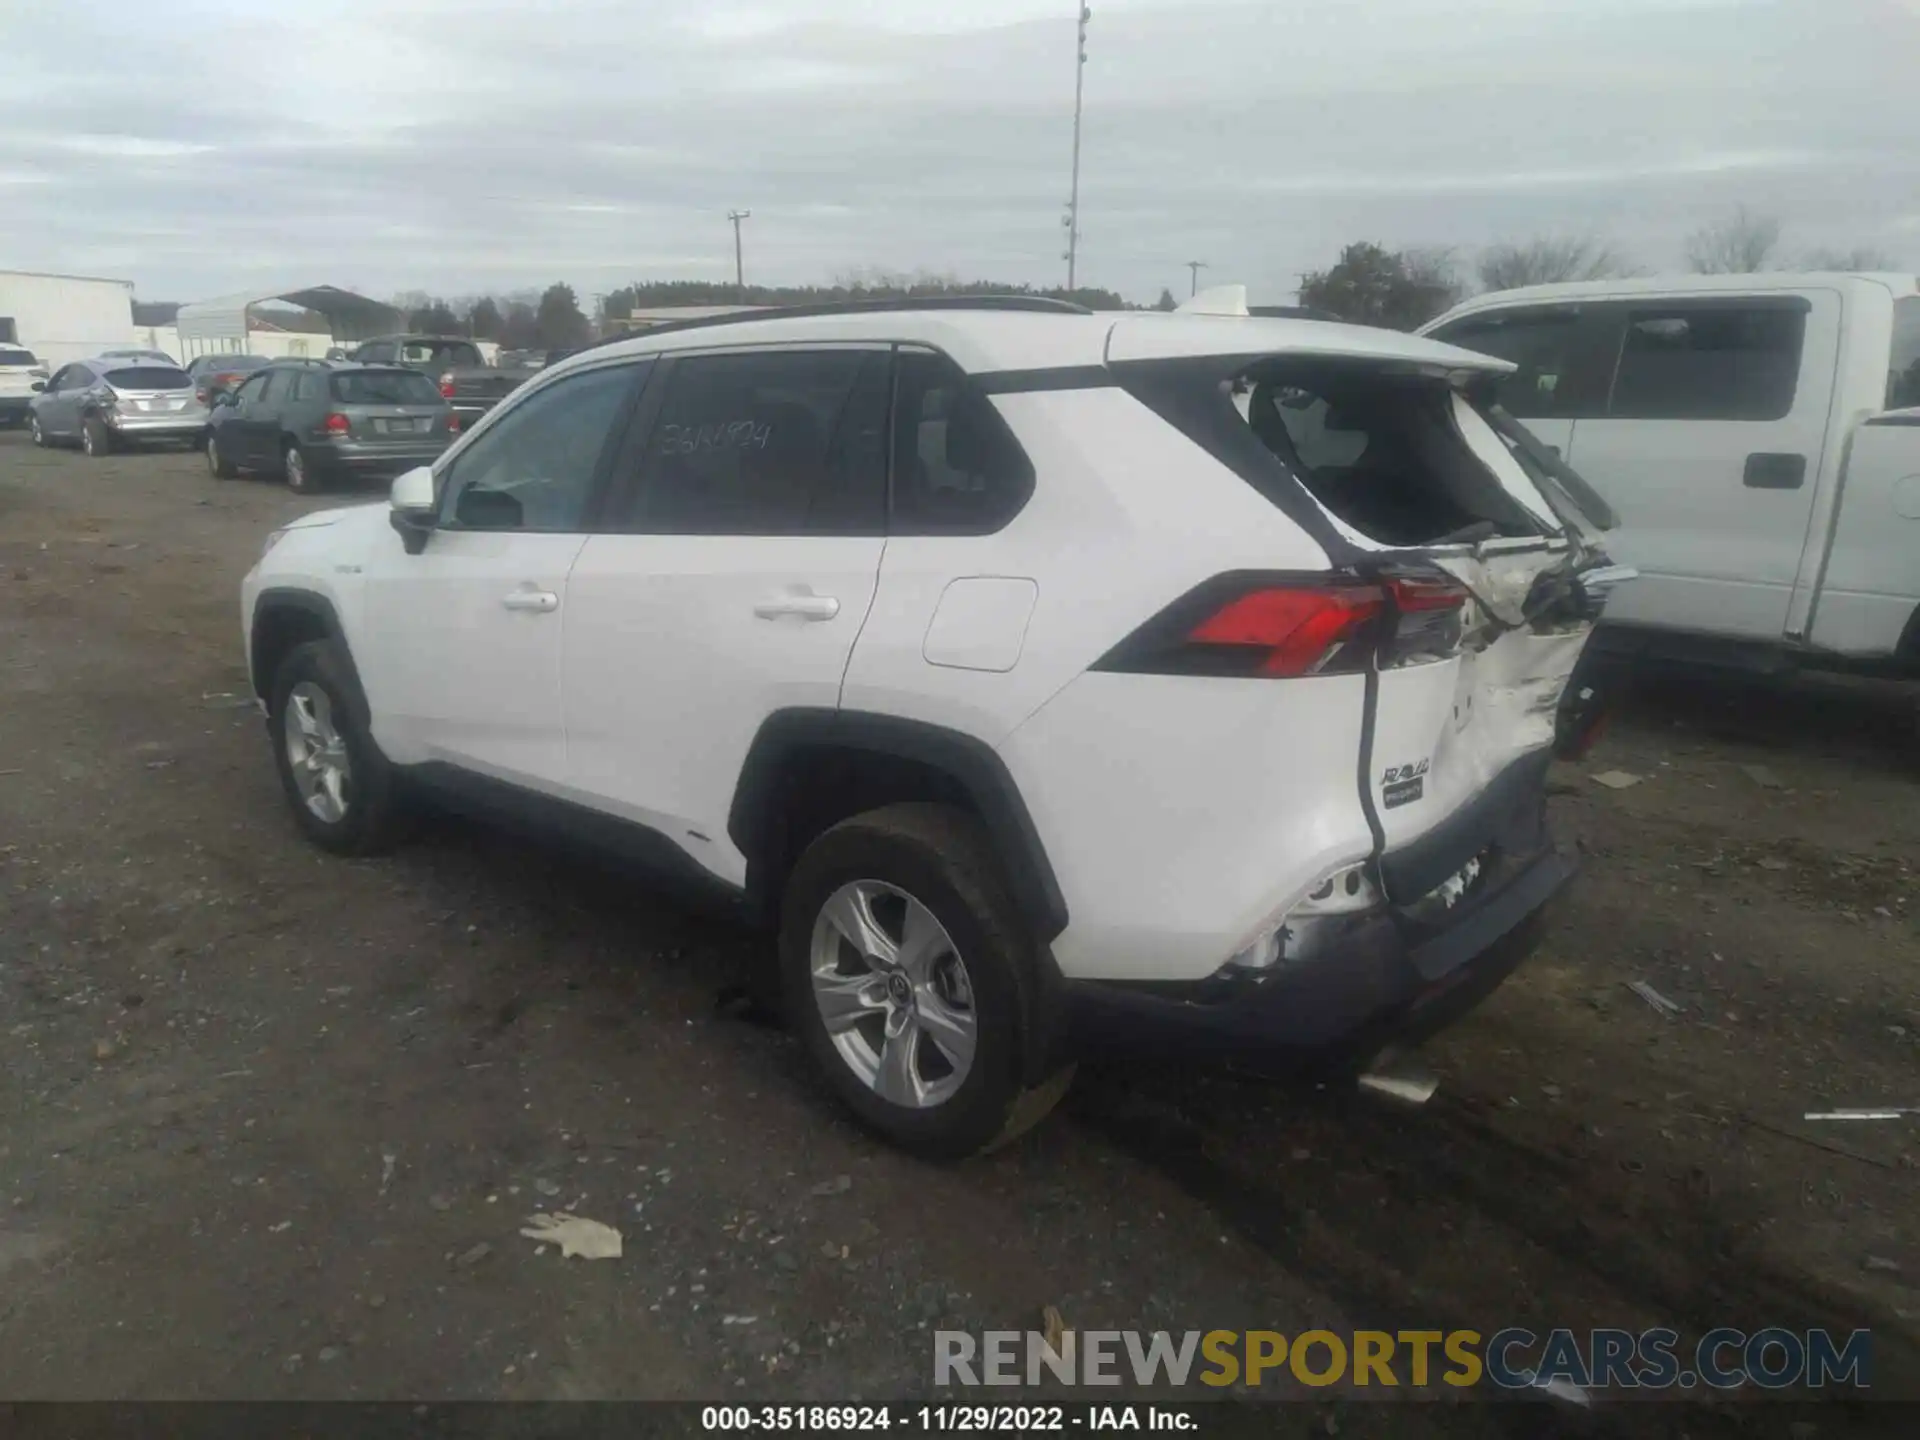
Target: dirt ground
(271, 1120)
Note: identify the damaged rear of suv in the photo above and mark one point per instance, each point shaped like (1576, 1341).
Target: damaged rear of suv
(1327, 832)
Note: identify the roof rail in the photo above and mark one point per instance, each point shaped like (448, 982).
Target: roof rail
(1039, 304)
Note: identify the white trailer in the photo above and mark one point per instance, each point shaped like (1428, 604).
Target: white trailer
(65, 317)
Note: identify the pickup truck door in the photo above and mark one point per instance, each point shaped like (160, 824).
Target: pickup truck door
(1710, 449)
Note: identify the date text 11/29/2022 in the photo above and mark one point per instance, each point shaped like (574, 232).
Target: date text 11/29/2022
(949, 1419)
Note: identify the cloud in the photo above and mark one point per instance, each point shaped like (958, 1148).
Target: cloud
(457, 145)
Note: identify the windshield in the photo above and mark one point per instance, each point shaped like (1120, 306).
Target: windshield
(149, 377)
(16, 357)
(385, 387)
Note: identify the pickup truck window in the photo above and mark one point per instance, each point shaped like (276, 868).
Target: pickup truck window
(1903, 373)
(441, 354)
(1711, 361)
(1565, 355)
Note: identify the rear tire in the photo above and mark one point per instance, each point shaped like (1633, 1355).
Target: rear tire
(217, 462)
(293, 465)
(925, 872)
(315, 707)
(95, 439)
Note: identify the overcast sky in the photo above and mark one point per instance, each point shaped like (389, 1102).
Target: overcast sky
(203, 146)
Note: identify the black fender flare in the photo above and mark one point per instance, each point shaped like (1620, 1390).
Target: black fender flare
(308, 602)
(972, 764)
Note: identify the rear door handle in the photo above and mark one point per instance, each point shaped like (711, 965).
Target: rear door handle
(541, 602)
(1775, 472)
(807, 607)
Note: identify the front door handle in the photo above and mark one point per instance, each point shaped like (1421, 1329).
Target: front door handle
(541, 602)
(807, 607)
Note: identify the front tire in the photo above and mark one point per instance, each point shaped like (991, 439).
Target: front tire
(909, 974)
(39, 435)
(341, 789)
(95, 439)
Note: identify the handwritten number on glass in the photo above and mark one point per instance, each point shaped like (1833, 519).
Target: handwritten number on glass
(722, 435)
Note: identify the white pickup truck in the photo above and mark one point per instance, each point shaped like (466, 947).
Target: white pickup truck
(1759, 438)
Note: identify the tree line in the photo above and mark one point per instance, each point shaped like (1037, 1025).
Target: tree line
(1403, 289)
(1370, 283)
(553, 319)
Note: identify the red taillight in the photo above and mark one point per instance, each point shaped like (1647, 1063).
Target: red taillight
(201, 396)
(453, 423)
(1283, 626)
(336, 424)
(446, 387)
(1300, 630)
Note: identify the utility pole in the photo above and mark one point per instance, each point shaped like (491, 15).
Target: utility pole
(1196, 266)
(1072, 220)
(739, 266)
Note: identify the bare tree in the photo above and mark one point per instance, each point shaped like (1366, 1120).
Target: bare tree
(1861, 257)
(1738, 245)
(1549, 260)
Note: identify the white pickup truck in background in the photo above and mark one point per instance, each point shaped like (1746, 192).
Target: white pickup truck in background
(1759, 438)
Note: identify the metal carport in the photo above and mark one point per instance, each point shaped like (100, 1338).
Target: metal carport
(210, 326)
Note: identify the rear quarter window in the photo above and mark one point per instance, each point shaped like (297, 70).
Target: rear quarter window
(385, 387)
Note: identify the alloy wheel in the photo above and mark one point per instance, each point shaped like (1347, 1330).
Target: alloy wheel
(893, 993)
(317, 753)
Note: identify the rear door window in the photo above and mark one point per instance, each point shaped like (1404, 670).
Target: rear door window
(1903, 370)
(384, 387)
(1709, 361)
(775, 442)
(957, 468)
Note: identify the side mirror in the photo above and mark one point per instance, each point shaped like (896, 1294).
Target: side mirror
(38, 385)
(412, 508)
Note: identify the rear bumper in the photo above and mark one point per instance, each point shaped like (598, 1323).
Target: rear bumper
(183, 426)
(1390, 976)
(370, 463)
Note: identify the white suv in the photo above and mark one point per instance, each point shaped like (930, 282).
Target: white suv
(1042, 677)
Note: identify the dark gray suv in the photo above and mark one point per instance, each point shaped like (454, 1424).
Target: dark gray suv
(315, 423)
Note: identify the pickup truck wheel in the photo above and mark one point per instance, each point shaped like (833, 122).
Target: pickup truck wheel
(95, 439)
(293, 464)
(217, 462)
(341, 789)
(906, 968)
